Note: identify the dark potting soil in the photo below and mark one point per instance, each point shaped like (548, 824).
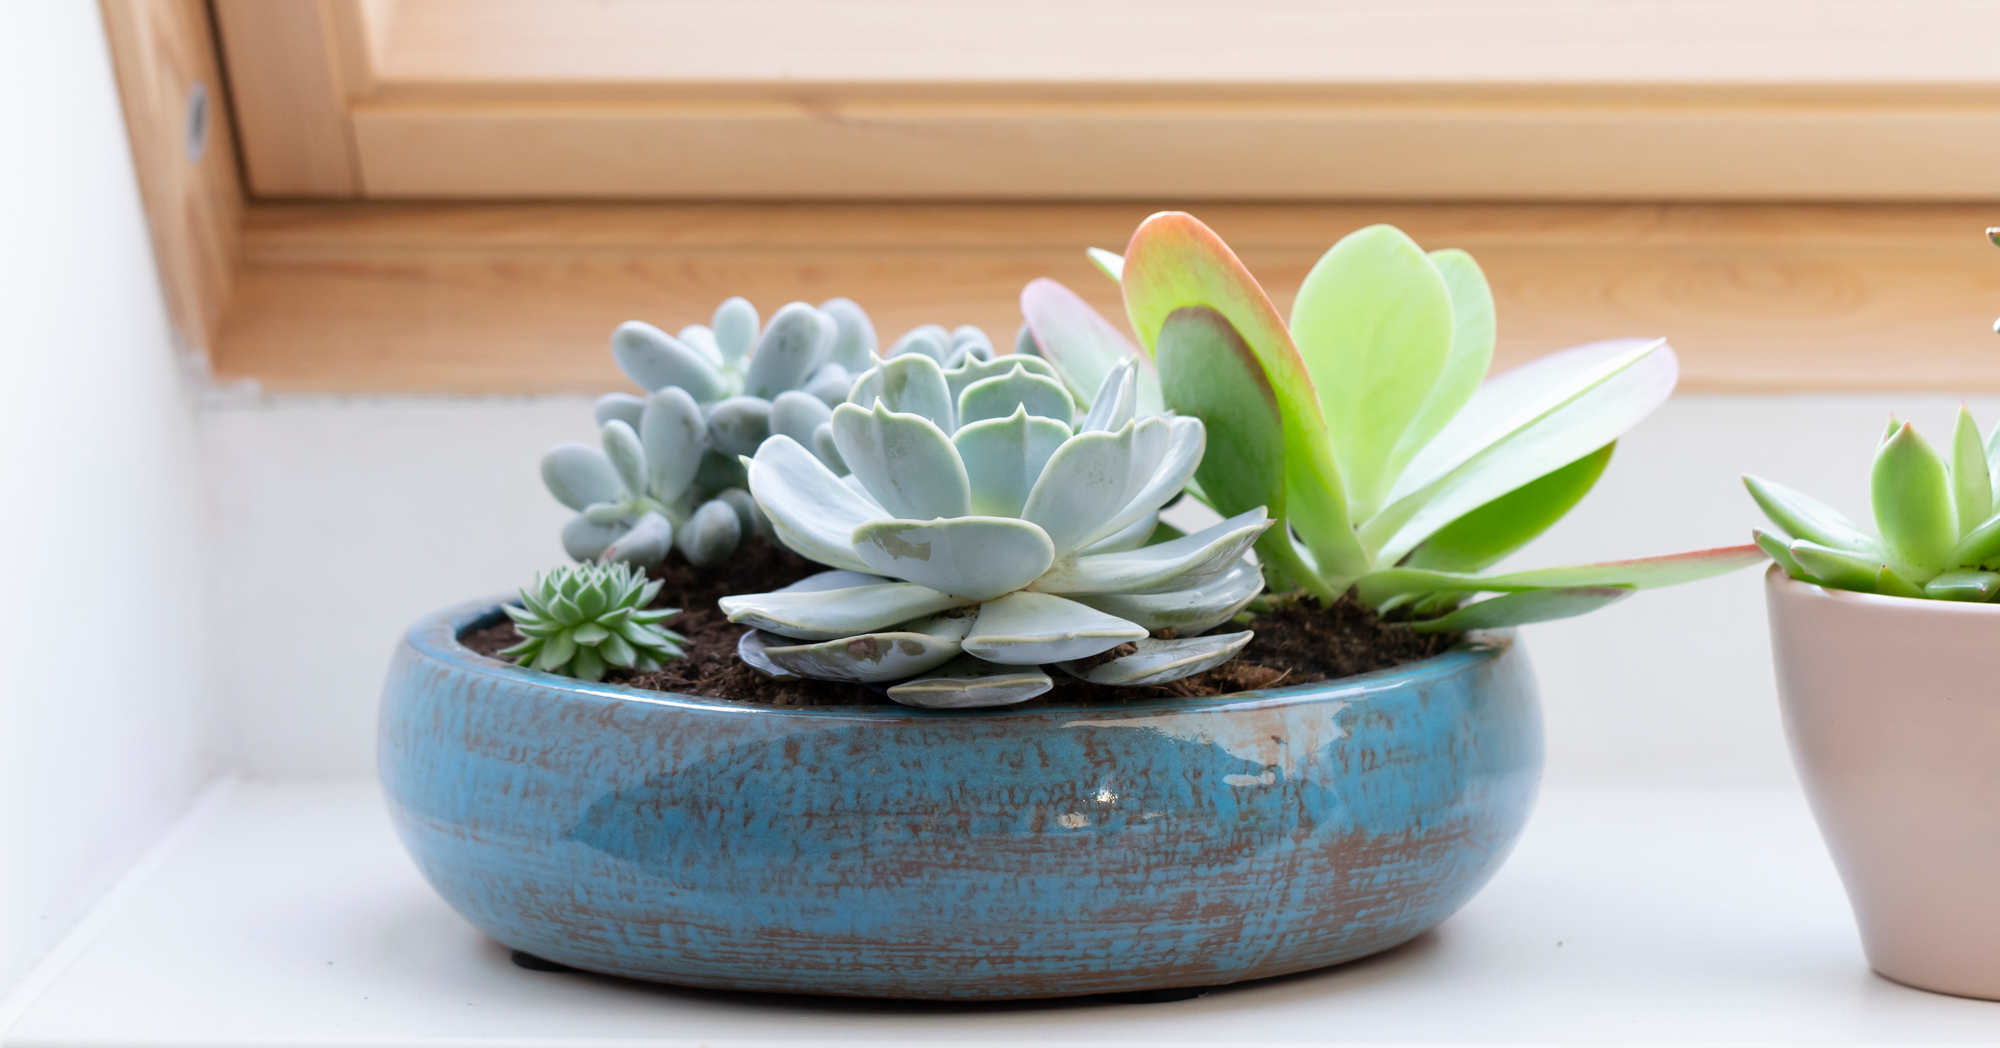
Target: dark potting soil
(1296, 642)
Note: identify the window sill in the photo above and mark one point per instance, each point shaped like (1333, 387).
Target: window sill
(289, 915)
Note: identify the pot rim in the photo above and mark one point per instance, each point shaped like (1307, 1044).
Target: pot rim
(435, 636)
(1776, 579)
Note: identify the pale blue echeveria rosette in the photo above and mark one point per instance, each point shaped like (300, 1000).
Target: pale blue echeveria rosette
(980, 536)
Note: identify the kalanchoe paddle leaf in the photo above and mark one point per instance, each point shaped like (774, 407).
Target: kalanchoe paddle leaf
(1641, 573)
(1373, 323)
(1082, 344)
(1366, 429)
(1520, 609)
(1911, 495)
(1109, 263)
(1017, 538)
(582, 620)
(1482, 537)
(1174, 262)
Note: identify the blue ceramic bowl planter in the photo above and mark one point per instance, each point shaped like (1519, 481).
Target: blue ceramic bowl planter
(964, 855)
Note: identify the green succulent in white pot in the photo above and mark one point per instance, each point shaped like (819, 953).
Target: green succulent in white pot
(982, 535)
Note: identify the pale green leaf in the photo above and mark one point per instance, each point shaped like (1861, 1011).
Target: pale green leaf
(1911, 495)
(1487, 534)
(1971, 483)
(1520, 609)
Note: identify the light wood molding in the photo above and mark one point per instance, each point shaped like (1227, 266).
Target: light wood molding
(289, 63)
(522, 298)
(162, 54)
(1717, 100)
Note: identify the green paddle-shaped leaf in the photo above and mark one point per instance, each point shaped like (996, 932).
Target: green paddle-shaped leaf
(1373, 323)
(1485, 535)
(1174, 261)
(1208, 372)
(1639, 573)
(1519, 609)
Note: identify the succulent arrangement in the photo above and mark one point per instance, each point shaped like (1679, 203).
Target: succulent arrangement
(1365, 424)
(984, 531)
(1938, 532)
(583, 619)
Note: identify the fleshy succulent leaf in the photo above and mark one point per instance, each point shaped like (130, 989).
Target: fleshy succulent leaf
(1004, 456)
(645, 544)
(1373, 323)
(1912, 498)
(1473, 331)
(1520, 609)
(1183, 563)
(904, 461)
(1088, 480)
(1800, 516)
(1964, 584)
(735, 327)
(1489, 533)
(998, 397)
(710, 534)
(1082, 344)
(740, 425)
(674, 436)
(1971, 481)
(1594, 405)
(977, 558)
(1186, 611)
(579, 476)
(809, 508)
(854, 335)
(968, 683)
(1028, 629)
(621, 446)
(1162, 661)
(1778, 551)
(1173, 262)
(912, 384)
(1109, 263)
(835, 613)
(654, 360)
(1891, 583)
(1640, 573)
(794, 344)
(1837, 568)
(870, 658)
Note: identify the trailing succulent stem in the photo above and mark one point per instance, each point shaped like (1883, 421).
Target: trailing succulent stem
(580, 620)
(1365, 423)
(1937, 524)
(985, 529)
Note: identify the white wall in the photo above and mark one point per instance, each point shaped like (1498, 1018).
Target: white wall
(373, 512)
(104, 684)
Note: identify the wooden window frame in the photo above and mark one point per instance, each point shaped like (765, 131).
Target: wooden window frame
(354, 293)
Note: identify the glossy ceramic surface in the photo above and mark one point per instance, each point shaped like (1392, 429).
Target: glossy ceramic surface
(1893, 714)
(965, 855)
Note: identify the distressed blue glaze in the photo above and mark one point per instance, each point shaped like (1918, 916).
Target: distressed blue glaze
(895, 852)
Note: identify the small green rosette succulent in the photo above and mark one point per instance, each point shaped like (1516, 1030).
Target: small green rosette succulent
(1938, 533)
(582, 619)
(981, 534)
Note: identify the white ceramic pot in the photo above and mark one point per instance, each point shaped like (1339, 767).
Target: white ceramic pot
(1892, 708)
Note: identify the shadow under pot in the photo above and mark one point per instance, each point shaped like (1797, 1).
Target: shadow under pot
(1892, 709)
(1045, 850)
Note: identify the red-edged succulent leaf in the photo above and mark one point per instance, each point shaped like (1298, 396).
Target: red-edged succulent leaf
(1174, 262)
(1640, 573)
(1082, 345)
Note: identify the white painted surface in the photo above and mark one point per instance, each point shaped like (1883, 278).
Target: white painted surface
(1684, 916)
(104, 690)
(373, 512)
